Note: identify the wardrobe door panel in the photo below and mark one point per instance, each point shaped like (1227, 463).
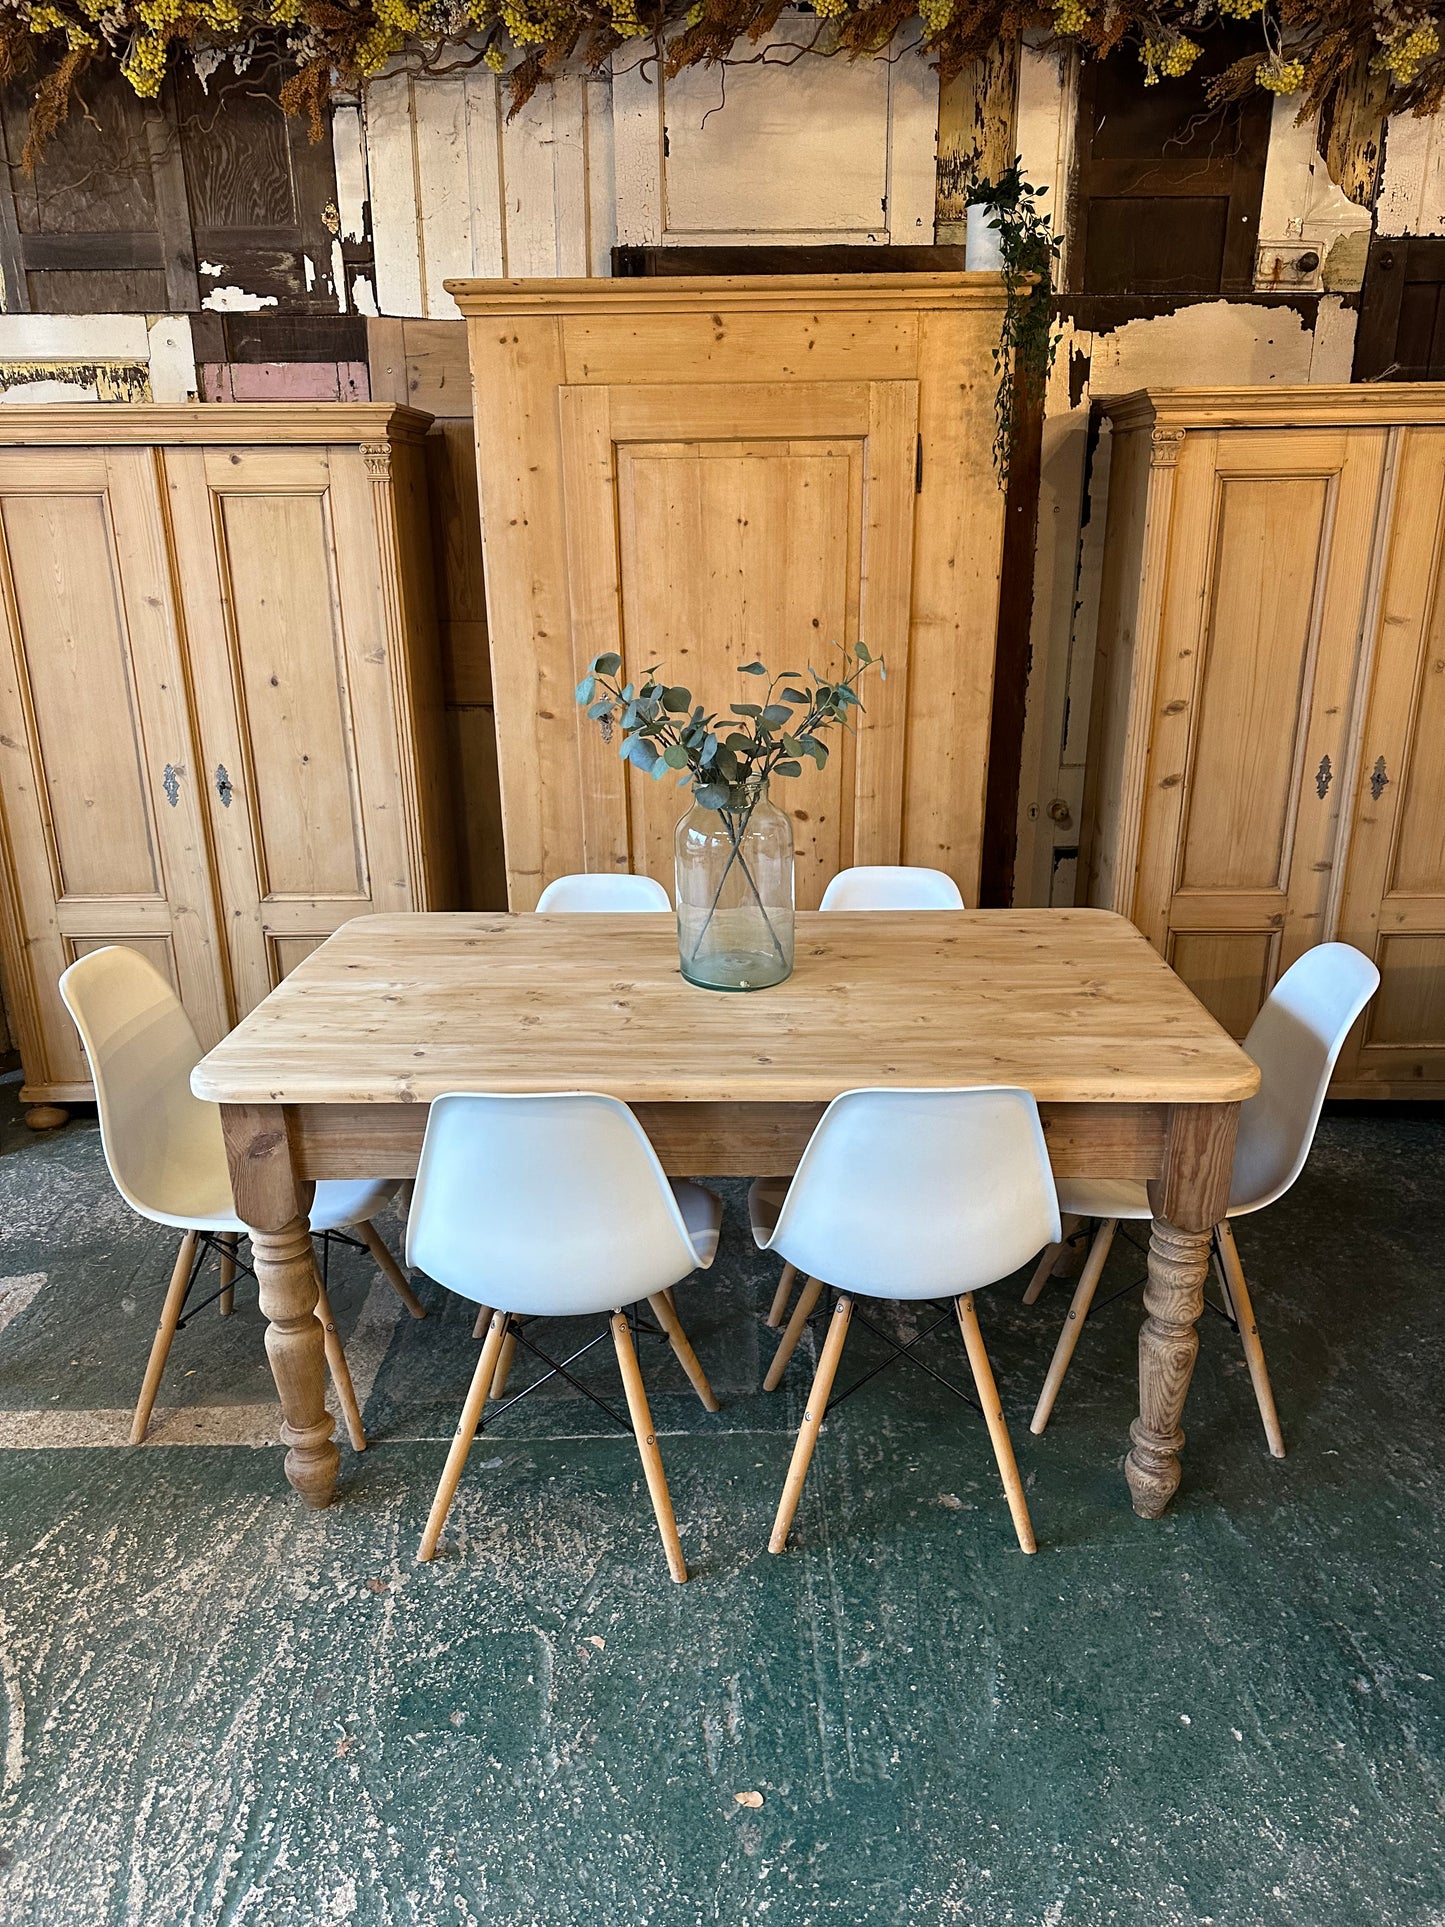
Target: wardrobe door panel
(97, 767)
(748, 521)
(1393, 901)
(1269, 566)
(290, 663)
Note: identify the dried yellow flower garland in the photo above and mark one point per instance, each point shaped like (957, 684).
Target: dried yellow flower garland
(1306, 47)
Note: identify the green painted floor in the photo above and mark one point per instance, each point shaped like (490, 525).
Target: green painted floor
(216, 1707)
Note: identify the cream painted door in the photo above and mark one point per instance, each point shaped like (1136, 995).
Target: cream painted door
(290, 668)
(707, 526)
(1268, 571)
(98, 770)
(1393, 902)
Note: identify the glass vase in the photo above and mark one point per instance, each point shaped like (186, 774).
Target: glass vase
(735, 895)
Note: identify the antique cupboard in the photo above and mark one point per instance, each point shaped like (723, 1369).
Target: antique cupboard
(1267, 743)
(696, 472)
(219, 698)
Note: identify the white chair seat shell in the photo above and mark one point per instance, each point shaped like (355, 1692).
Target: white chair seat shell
(604, 891)
(552, 1205)
(971, 1166)
(163, 1144)
(892, 886)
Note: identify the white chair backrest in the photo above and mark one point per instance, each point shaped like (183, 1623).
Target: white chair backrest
(920, 1194)
(1295, 1041)
(160, 1141)
(552, 1205)
(892, 886)
(602, 891)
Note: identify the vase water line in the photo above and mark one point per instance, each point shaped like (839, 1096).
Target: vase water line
(735, 895)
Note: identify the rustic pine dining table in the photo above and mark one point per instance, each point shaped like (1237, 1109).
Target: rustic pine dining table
(331, 1077)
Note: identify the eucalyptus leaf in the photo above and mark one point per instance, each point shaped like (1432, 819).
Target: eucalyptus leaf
(712, 796)
(752, 669)
(775, 715)
(787, 769)
(585, 688)
(606, 665)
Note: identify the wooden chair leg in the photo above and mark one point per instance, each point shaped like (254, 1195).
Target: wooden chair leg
(340, 1370)
(1052, 1253)
(390, 1269)
(483, 1319)
(165, 1332)
(466, 1431)
(988, 1398)
(802, 1312)
(641, 1416)
(666, 1316)
(1249, 1336)
(781, 1296)
(812, 1421)
(227, 1300)
(504, 1361)
(1074, 1323)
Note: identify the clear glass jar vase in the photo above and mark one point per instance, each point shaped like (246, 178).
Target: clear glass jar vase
(735, 895)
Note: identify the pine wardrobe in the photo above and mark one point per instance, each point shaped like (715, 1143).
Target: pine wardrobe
(1267, 740)
(697, 471)
(219, 698)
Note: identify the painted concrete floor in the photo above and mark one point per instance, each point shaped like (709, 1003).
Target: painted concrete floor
(216, 1707)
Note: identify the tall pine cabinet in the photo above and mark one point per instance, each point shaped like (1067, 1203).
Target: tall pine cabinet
(694, 472)
(1267, 742)
(219, 698)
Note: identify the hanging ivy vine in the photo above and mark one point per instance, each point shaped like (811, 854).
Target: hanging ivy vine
(1309, 48)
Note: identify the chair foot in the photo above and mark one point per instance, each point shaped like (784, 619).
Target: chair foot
(802, 1312)
(466, 1431)
(340, 1370)
(781, 1296)
(665, 1314)
(812, 1422)
(1074, 1323)
(165, 1331)
(391, 1270)
(988, 1397)
(1249, 1336)
(641, 1416)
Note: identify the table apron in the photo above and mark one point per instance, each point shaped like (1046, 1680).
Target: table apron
(718, 1139)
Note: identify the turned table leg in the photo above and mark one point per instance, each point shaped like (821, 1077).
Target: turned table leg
(1188, 1198)
(274, 1205)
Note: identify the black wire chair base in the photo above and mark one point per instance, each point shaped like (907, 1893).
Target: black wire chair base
(906, 1352)
(1101, 1304)
(210, 1243)
(557, 1368)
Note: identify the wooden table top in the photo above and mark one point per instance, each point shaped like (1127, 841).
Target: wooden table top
(1072, 1004)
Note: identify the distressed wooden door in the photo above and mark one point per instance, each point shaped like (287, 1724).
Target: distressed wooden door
(1393, 899)
(708, 527)
(291, 667)
(1270, 550)
(98, 776)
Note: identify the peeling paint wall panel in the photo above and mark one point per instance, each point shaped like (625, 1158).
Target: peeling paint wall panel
(1412, 189)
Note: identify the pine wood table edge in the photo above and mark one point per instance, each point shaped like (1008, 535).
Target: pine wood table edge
(277, 1150)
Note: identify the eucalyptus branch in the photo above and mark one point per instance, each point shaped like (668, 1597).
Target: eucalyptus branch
(727, 760)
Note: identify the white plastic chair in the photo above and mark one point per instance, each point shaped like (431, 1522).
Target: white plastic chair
(909, 1194)
(892, 886)
(603, 891)
(555, 1206)
(165, 1152)
(1295, 1040)
(871, 886)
